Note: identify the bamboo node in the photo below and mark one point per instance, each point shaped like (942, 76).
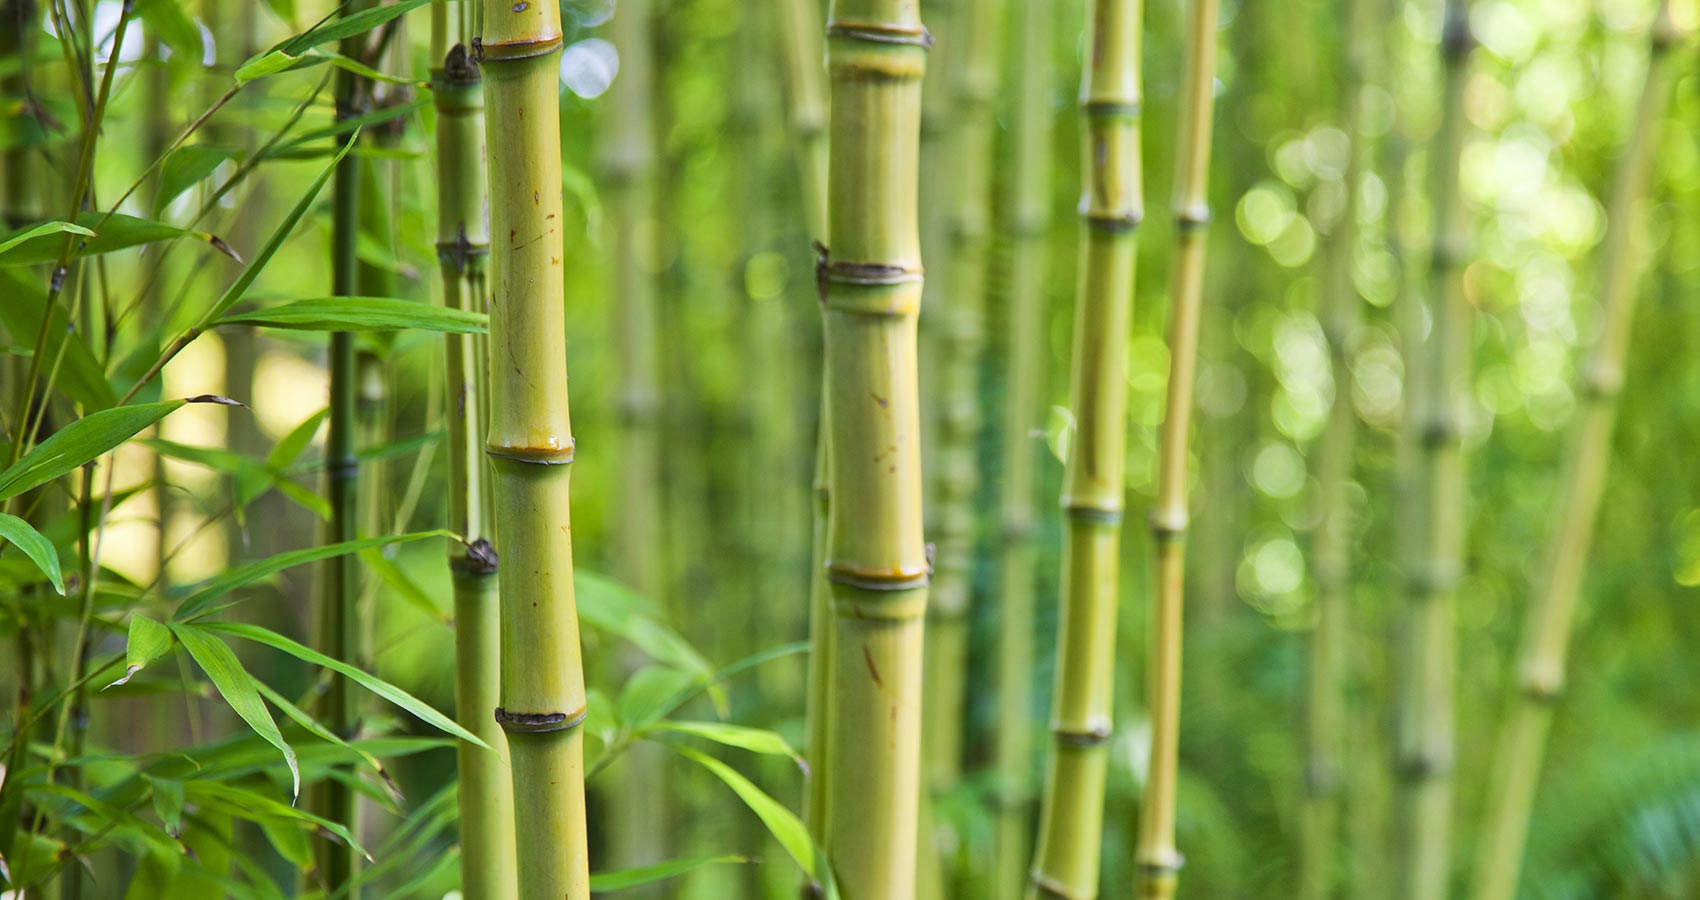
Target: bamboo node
(1101, 513)
(1049, 887)
(539, 456)
(480, 558)
(1105, 220)
(1600, 381)
(1096, 735)
(1097, 107)
(894, 579)
(539, 723)
(508, 51)
(1169, 525)
(459, 67)
(1190, 217)
(882, 33)
(1426, 763)
(1161, 864)
(1542, 683)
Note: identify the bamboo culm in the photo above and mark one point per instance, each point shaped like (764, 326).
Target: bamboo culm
(338, 626)
(530, 446)
(1158, 859)
(876, 561)
(1551, 612)
(463, 248)
(1111, 207)
(959, 341)
(1320, 857)
(1024, 221)
(1436, 369)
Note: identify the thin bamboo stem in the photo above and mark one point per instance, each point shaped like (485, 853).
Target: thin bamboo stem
(1436, 375)
(1325, 713)
(1159, 860)
(871, 286)
(1025, 220)
(1551, 614)
(531, 447)
(1111, 207)
(463, 247)
(959, 342)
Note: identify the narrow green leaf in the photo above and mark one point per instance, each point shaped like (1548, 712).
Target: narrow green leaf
(45, 228)
(38, 548)
(80, 375)
(673, 868)
(782, 823)
(167, 802)
(200, 602)
(755, 740)
(316, 137)
(185, 168)
(254, 806)
(313, 727)
(236, 686)
(175, 29)
(148, 641)
(80, 442)
(419, 708)
(361, 314)
(284, 54)
(280, 234)
(111, 233)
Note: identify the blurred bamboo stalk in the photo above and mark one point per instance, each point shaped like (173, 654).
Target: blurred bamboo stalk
(1111, 206)
(1325, 712)
(1024, 221)
(877, 558)
(1549, 617)
(1437, 372)
(463, 248)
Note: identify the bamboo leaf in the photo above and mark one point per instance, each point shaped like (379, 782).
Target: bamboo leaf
(185, 168)
(236, 686)
(167, 802)
(288, 52)
(42, 230)
(645, 697)
(782, 823)
(175, 29)
(610, 607)
(300, 717)
(755, 740)
(419, 708)
(673, 868)
(110, 233)
(361, 314)
(313, 139)
(38, 548)
(80, 375)
(200, 602)
(79, 443)
(148, 641)
(255, 806)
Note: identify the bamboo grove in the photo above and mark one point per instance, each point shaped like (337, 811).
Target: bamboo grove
(310, 587)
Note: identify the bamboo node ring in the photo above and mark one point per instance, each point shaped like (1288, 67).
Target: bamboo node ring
(882, 33)
(539, 723)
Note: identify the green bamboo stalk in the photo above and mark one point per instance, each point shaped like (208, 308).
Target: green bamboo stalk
(1436, 376)
(1551, 614)
(1025, 220)
(463, 247)
(1159, 860)
(959, 342)
(338, 626)
(1325, 714)
(871, 287)
(1111, 207)
(531, 447)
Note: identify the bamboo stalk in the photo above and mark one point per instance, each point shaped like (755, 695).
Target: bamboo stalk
(1024, 222)
(338, 627)
(1325, 713)
(463, 248)
(877, 563)
(959, 342)
(1549, 618)
(1436, 376)
(1159, 860)
(531, 446)
(1111, 206)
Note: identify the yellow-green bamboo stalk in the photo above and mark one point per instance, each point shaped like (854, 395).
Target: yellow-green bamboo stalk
(1024, 221)
(960, 341)
(871, 286)
(1436, 375)
(1158, 859)
(1320, 859)
(1549, 618)
(339, 627)
(530, 445)
(1111, 206)
(463, 247)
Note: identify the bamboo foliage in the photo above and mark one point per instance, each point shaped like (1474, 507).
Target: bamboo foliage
(1436, 373)
(463, 248)
(1159, 860)
(1024, 220)
(876, 556)
(1552, 610)
(530, 446)
(1111, 206)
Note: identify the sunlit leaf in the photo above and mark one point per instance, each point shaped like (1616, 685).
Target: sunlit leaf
(782, 823)
(148, 641)
(236, 686)
(200, 602)
(80, 442)
(361, 314)
(42, 230)
(755, 740)
(167, 20)
(185, 168)
(111, 233)
(38, 548)
(286, 53)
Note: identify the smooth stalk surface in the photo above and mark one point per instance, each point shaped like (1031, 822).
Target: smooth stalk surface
(1159, 860)
(1552, 610)
(530, 445)
(877, 563)
(1111, 206)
